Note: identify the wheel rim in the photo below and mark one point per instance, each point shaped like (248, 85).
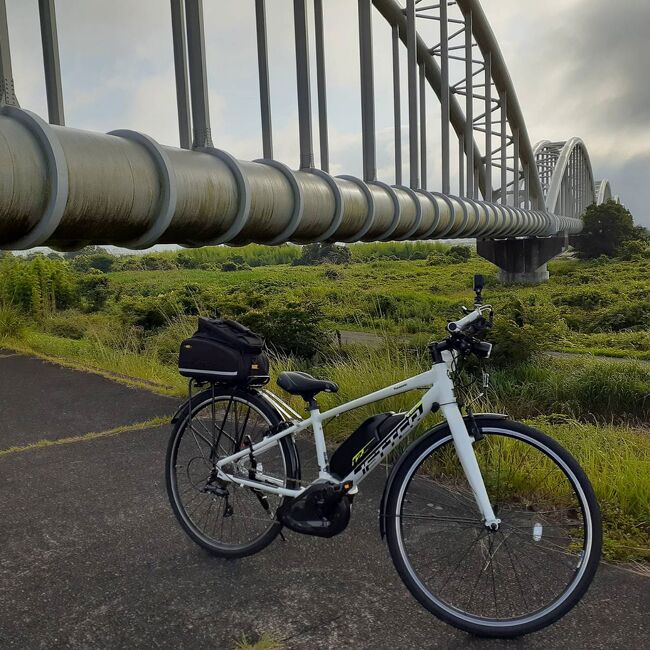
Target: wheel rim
(238, 519)
(519, 574)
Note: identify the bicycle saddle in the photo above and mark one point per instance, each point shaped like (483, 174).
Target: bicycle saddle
(300, 383)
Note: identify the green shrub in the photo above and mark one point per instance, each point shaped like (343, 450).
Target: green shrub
(590, 298)
(410, 250)
(313, 254)
(290, 328)
(94, 290)
(187, 261)
(605, 228)
(149, 312)
(332, 274)
(623, 316)
(157, 262)
(452, 255)
(436, 258)
(38, 285)
(254, 255)
(194, 299)
(459, 254)
(522, 329)
(103, 262)
(635, 249)
(68, 325)
(12, 321)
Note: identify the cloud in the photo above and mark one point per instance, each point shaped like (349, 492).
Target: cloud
(580, 68)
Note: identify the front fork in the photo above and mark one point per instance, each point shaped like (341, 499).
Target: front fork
(467, 457)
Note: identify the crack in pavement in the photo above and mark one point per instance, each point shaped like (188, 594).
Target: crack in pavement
(92, 435)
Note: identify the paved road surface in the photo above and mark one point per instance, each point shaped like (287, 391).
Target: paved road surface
(91, 557)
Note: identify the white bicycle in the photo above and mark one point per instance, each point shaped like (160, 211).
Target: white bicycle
(491, 524)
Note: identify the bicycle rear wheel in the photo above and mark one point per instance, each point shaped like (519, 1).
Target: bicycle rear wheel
(503, 583)
(225, 518)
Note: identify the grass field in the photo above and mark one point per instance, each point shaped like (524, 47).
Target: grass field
(128, 324)
(412, 297)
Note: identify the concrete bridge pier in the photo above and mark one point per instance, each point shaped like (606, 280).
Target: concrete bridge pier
(522, 260)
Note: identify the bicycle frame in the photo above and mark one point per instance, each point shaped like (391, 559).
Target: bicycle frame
(439, 393)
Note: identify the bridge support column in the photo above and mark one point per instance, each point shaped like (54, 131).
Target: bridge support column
(521, 260)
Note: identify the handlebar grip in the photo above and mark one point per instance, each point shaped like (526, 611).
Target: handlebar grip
(456, 325)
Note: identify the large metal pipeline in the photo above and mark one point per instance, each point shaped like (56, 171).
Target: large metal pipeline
(65, 188)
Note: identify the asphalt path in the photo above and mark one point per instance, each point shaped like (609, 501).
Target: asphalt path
(91, 556)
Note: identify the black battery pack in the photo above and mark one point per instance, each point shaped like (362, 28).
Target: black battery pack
(366, 437)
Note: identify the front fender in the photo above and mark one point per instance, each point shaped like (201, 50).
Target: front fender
(402, 458)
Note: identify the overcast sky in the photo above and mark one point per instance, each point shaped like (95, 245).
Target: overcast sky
(580, 68)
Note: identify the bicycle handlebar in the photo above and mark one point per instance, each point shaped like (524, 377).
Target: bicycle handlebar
(461, 324)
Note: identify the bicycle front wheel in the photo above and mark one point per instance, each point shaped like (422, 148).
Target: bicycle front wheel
(503, 583)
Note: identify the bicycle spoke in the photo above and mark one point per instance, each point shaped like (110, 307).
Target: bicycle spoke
(497, 575)
(226, 513)
(478, 579)
(514, 568)
(474, 522)
(465, 554)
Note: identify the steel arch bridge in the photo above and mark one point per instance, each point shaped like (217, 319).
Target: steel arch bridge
(66, 188)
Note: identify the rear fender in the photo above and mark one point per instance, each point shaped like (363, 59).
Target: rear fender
(183, 410)
(402, 459)
(282, 411)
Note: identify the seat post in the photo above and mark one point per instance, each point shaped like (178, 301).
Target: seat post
(319, 438)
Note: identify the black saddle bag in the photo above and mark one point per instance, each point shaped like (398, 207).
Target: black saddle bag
(224, 352)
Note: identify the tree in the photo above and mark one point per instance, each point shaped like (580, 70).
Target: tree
(94, 290)
(102, 261)
(606, 227)
(86, 250)
(313, 254)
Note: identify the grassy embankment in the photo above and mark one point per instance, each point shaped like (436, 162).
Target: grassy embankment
(615, 456)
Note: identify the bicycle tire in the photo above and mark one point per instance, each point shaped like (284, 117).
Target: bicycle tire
(285, 446)
(435, 440)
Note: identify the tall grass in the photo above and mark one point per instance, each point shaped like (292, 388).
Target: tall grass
(252, 254)
(126, 362)
(397, 250)
(615, 457)
(12, 321)
(617, 461)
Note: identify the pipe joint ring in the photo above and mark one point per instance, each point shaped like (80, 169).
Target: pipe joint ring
(243, 213)
(477, 213)
(338, 202)
(418, 211)
(454, 231)
(57, 175)
(371, 207)
(436, 212)
(168, 196)
(450, 206)
(298, 200)
(397, 209)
